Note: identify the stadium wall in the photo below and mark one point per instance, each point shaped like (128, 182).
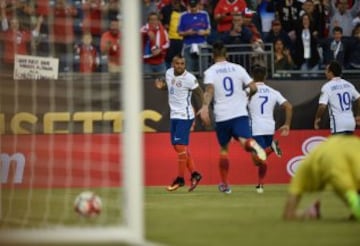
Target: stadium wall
(74, 137)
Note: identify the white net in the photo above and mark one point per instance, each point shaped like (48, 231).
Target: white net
(61, 135)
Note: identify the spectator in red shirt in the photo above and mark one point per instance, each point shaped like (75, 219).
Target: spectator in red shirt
(155, 45)
(87, 55)
(63, 26)
(93, 11)
(110, 46)
(16, 39)
(224, 11)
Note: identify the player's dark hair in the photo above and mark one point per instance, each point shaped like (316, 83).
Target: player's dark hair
(259, 73)
(219, 49)
(335, 68)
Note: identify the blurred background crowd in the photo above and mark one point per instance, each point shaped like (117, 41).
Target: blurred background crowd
(84, 34)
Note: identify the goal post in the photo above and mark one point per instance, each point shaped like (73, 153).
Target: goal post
(131, 230)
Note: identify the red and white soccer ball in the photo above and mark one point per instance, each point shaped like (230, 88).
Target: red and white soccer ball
(88, 204)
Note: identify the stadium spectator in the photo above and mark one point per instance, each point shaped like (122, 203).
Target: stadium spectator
(16, 39)
(266, 13)
(354, 50)
(110, 47)
(148, 7)
(338, 95)
(194, 26)
(113, 10)
(170, 18)
(62, 34)
(181, 85)
(155, 44)
(225, 83)
(224, 11)
(261, 111)
(306, 56)
(287, 11)
(277, 32)
(238, 34)
(282, 57)
(334, 163)
(341, 15)
(248, 20)
(335, 47)
(93, 18)
(87, 55)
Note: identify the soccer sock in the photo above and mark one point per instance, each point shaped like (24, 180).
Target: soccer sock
(190, 163)
(261, 173)
(247, 145)
(224, 168)
(182, 159)
(268, 151)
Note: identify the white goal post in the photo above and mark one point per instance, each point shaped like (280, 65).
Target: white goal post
(132, 230)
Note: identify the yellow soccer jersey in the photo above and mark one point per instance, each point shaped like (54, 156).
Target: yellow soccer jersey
(336, 162)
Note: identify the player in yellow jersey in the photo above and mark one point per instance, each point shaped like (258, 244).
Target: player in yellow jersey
(335, 162)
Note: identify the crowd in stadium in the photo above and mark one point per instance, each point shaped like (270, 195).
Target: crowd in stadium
(85, 34)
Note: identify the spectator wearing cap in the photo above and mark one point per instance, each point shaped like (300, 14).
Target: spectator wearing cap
(194, 27)
(276, 32)
(224, 12)
(248, 16)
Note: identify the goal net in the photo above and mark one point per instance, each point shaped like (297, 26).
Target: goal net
(64, 133)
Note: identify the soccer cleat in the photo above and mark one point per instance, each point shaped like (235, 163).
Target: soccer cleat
(276, 148)
(224, 188)
(260, 188)
(257, 150)
(195, 179)
(178, 182)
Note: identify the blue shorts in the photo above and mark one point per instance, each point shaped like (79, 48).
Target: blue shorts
(180, 131)
(264, 140)
(237, 127)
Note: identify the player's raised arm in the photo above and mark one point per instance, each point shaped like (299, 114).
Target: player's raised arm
(204, 111)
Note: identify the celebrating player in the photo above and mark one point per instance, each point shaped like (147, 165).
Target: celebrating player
(261, 109)
(225, 82)
(335, 162)
(339, 95)
(181, 85)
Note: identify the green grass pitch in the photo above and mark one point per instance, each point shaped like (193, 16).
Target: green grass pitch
(204, 217)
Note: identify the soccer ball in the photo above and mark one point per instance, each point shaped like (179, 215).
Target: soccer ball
(88, 204)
